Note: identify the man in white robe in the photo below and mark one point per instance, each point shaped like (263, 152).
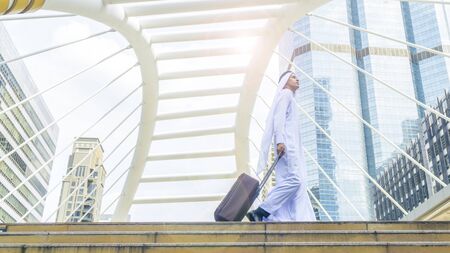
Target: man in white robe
(288, 200)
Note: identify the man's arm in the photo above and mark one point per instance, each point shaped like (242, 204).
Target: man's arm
(279, 119)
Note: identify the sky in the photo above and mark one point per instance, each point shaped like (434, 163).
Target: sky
(51, 67)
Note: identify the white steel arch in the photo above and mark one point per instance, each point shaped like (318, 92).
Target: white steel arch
(132, 17)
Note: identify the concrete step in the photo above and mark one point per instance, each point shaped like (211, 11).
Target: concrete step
(215, 226)
(323, 247)
(318, 237)
(225, 236)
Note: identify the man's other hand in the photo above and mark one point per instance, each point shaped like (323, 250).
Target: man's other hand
(281, 148)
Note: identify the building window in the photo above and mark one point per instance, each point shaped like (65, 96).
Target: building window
(436, 147)
(430, 154)
(80, 171)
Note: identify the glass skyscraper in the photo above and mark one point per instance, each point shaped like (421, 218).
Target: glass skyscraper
(341, 80)
(416, 73)
(16, 126)
(427, 25)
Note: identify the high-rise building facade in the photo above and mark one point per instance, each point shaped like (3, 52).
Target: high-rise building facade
(414, 72)
(427, 25)
(389, 61)
(16, 127)
(404, 181)
(81, 192)
(436, 132)
(408, 184)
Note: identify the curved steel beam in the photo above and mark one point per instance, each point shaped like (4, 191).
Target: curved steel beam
(115, 17)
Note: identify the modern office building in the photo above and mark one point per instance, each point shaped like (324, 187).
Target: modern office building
(428, 25)
(416, 73)
(16, 127)
(82, 189)
(404, 181)
(436, 133)
(381, 106)
(409, 185)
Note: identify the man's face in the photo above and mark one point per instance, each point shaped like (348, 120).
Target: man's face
(292, 83)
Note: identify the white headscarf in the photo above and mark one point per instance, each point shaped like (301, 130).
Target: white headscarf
(268, 132)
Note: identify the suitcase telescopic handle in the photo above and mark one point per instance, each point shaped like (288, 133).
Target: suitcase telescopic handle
(266, 177)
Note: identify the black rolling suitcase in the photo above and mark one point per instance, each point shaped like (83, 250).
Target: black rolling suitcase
(240, 198)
